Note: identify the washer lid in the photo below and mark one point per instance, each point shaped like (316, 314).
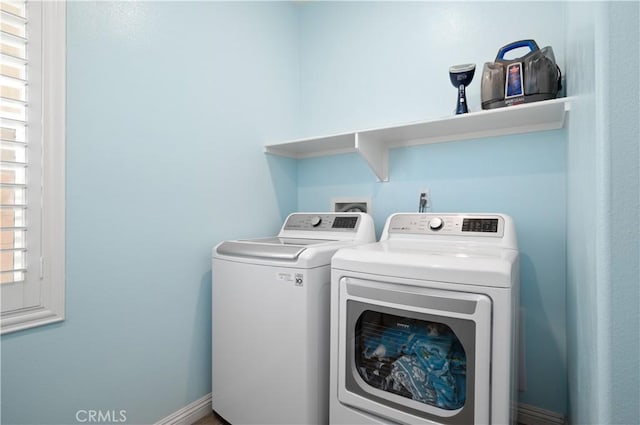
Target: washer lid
(306, 240)
(276, 251)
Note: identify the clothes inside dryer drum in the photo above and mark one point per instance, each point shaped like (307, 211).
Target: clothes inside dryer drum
(417, 359)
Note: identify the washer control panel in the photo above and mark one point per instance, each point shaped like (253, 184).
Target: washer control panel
(448, 224)
(322, 222)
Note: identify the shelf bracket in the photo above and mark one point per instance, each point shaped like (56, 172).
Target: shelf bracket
(376, 155)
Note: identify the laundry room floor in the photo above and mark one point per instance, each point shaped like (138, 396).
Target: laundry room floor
(211, 419)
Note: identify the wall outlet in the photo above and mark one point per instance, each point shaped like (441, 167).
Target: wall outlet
(424, 200)
(351, 205)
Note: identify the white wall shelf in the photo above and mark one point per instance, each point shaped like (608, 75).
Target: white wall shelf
(374, 144)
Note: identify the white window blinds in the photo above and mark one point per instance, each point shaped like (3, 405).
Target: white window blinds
(13, 133)
(32, 85)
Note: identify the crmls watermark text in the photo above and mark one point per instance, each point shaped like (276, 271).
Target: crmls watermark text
(91, 416)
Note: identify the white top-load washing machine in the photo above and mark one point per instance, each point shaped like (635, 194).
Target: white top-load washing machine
(423, 323)
(270, 311)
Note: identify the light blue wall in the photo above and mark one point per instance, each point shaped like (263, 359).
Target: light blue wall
(624, 139)
(586, 369)
(169, 105)
(603, 288)
(367, 64)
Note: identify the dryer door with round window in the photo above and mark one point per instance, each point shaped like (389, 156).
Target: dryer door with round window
(414, 353)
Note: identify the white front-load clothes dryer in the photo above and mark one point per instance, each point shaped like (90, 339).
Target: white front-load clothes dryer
(423, 323)
(270, 319)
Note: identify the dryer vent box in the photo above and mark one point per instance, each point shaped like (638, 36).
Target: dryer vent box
(351, 205)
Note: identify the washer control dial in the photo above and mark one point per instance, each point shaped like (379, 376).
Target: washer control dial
(316, 220)
(436, 223)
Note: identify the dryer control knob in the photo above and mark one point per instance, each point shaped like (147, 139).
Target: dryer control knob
(315, 221)
(436, 223)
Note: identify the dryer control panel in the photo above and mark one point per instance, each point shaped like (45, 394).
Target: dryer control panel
(483, 225)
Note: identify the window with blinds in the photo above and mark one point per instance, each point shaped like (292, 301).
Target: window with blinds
(13, 133)
(32, 84)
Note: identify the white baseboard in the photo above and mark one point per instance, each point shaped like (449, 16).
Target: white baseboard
(532, 415)
(190, 413)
